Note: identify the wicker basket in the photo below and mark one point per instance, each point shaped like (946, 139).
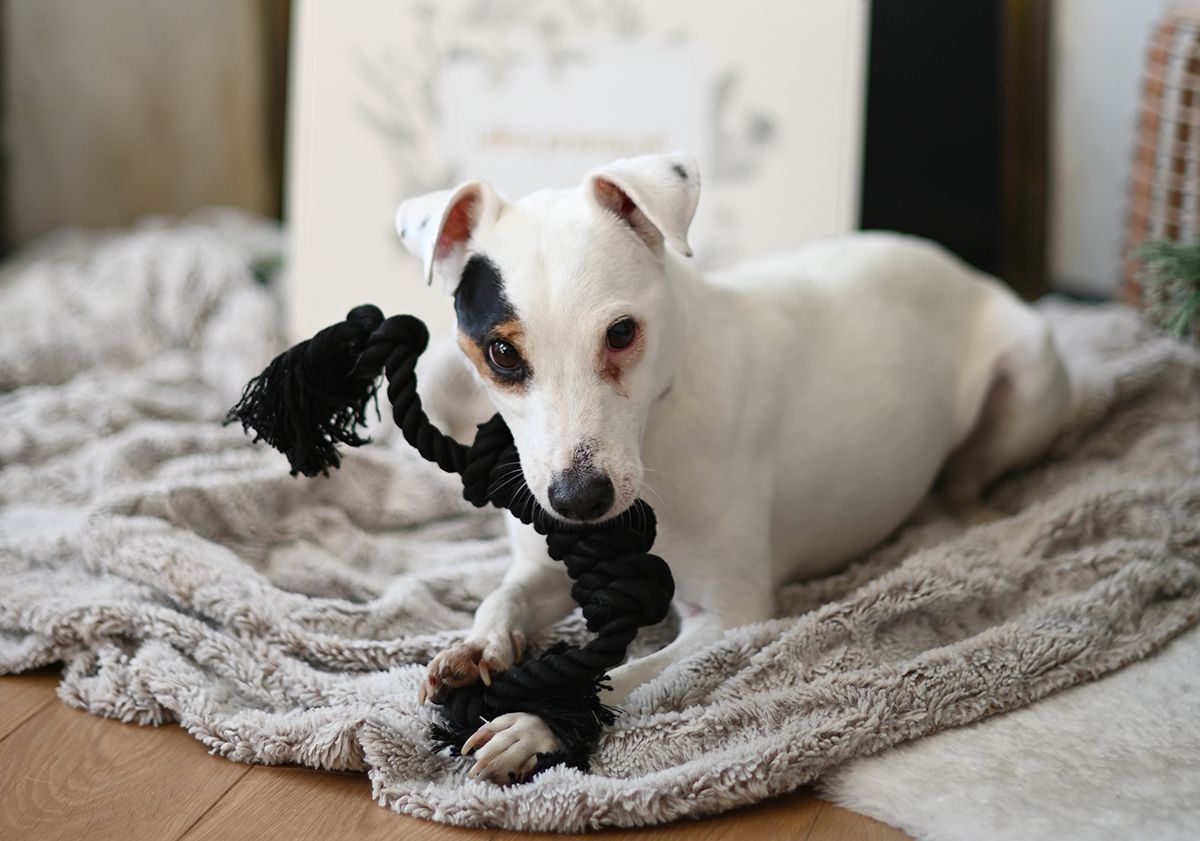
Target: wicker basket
(1164, 201)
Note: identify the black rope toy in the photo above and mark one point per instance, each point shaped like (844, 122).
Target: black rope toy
(315, 395)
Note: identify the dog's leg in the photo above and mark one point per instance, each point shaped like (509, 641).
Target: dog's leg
(535, 592)
(1025, 405)
(697, 629)
(506, 748)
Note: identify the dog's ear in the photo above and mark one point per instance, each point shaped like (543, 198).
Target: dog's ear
(656, 195)
(436, 227)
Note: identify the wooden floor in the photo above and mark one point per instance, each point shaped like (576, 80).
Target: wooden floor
(65, 774)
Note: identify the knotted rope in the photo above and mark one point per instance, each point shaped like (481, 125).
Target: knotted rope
(315, 396)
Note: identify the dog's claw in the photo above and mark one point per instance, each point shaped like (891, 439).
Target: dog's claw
(466, 662)
(479, 737)
(528, 767)
(506, 748)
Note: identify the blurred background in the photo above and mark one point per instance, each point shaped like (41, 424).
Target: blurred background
(1038, 139)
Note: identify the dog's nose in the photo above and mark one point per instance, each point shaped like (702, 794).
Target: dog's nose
(581, 494)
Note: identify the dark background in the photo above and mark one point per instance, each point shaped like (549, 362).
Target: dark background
(954, 141)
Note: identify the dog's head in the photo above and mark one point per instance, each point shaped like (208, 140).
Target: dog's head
(566, 314)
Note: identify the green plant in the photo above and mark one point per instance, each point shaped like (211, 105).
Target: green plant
(1170, 279)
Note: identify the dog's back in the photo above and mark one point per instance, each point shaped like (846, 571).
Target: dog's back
(872, 358)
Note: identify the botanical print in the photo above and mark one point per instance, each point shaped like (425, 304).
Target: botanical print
(399, 95)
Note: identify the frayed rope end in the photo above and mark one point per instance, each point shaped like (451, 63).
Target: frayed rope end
(311, 398)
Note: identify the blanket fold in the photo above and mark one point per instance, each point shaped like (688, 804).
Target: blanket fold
(180, 574)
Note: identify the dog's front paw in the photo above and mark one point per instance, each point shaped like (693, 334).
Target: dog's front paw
(475, 658)
(507, 747)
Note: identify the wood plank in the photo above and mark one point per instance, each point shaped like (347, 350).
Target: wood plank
(837, 824)
(299, 804)
(23, 695)
(65, 774)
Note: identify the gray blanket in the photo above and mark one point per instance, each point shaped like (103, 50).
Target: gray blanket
(181, 575)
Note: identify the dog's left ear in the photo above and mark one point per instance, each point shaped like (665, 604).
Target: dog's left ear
(656, 195)
(437, 227)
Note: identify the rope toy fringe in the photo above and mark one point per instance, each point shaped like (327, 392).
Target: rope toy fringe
(315, 395)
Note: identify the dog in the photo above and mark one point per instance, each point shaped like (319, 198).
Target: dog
(782, 417)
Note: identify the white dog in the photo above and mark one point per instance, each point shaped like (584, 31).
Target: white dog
(782, 417)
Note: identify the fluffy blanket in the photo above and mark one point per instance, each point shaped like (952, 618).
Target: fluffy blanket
(180, 574)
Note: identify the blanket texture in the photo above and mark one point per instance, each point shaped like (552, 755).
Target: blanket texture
(180, 574)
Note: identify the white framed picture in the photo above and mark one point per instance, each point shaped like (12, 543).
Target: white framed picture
(393, 98)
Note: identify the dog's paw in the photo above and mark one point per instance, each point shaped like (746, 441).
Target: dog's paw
(507, 747)
(468, 661)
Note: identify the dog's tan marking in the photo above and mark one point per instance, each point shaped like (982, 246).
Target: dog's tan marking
(613, 364)
(474, 353)
(512, 332)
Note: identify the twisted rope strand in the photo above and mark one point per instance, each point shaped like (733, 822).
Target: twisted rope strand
(314, 396)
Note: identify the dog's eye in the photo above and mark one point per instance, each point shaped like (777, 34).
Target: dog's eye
(620, 334)
(504, 357)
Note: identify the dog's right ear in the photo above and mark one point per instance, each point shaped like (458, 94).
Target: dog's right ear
(655, 195)
(437, 227)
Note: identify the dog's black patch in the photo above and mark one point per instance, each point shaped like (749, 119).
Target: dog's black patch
(479, 301)
(679, 170)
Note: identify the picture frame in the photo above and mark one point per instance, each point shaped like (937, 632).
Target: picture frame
(394, 99)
